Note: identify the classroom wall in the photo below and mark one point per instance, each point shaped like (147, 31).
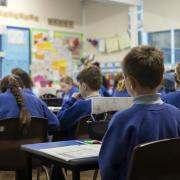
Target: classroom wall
(161, 15)
(104, 20)
(62, 9)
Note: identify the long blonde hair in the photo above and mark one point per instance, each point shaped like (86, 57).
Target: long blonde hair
(121, 85)
(177, 74)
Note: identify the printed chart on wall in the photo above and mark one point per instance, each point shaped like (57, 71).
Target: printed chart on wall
(73, 41)
(15, 44)
(53, 52)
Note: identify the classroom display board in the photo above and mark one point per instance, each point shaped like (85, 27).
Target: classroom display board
(52, 54)
(15, 44)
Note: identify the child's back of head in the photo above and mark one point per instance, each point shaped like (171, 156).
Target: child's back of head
(144, 65)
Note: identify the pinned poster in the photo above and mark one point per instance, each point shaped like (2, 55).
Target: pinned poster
(112, 45)
(102, 45)
(15, 36)
(124, 41)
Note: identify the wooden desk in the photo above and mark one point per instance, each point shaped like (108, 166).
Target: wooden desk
(33, 151)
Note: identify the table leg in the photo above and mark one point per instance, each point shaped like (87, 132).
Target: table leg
(75, 175)
(28, 168)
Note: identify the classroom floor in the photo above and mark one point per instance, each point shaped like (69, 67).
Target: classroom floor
(87, 175)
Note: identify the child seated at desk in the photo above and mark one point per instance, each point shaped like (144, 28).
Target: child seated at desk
(25, 78)
(79, 105)
(148, 119)
(174, 97)
(68, 87)
(16, 103)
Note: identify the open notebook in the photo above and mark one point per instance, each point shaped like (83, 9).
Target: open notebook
(73, 152)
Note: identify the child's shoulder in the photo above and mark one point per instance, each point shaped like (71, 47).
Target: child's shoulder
(171, 108)
(174, 94)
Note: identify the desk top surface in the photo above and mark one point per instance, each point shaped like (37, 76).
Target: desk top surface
(34, 149)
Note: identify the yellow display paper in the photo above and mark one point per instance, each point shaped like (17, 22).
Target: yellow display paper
(60, 65)
(44, 46)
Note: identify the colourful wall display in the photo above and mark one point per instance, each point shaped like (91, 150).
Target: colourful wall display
(52, 54)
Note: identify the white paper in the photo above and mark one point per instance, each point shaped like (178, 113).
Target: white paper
(106, 104)
(101, 45)
(16, 36)
(54, 108)
(124, 41)
(73, 152)
(112, 45)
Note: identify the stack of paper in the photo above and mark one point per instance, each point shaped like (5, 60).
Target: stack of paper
(73, 152)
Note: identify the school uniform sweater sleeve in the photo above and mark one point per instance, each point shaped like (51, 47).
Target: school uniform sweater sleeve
(172, 98)
(53, 122)
(114, 148)
(72, 111)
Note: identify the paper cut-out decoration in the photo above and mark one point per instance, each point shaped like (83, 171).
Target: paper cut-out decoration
(112, 45)
(102, 46)
(124, 41)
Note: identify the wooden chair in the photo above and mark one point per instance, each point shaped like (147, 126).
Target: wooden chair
(11, 157)
(157, 160)
(102, 110)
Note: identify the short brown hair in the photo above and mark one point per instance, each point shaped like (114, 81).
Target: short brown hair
(91, 76)
(145, 64)
(24, 77)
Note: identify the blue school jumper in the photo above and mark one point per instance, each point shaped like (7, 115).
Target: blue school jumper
(29, 91)
(149, 119)
(72, 111)
(67, 96)
(37, 108)
(173, 98)
(120, 93)
(104, 92)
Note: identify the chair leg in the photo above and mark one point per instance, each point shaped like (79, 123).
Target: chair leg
(20, 175)
(46, 172)
(38, 173)
(64, 173)
(95, 174)
(58, 173)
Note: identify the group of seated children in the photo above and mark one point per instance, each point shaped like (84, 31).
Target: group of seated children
(148, 119)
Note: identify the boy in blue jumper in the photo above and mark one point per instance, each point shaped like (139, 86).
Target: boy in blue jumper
(79, 105)
(174, 97)
(148, 119)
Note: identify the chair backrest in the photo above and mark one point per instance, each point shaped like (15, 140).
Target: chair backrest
(101, 113)
(11, 157)
(159, 160)
(53, 101)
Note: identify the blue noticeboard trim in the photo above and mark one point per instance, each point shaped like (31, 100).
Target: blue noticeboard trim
(25, 29)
